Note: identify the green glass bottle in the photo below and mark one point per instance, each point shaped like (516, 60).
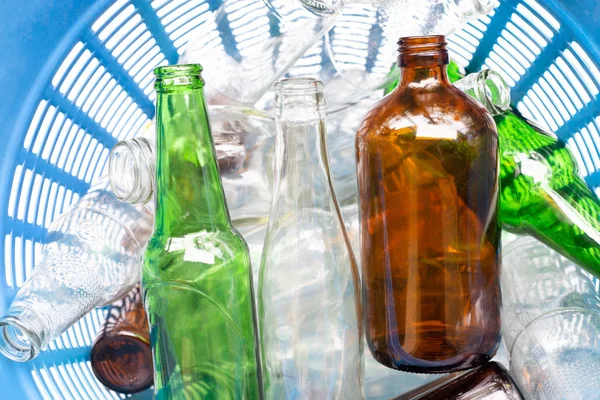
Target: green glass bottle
(542, 193)
(196, 275)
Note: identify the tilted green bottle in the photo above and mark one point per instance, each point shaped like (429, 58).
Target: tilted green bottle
(542, 193)
(196, 275)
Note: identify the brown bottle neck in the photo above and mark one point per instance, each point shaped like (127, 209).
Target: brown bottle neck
(423, 58)
(417, 74)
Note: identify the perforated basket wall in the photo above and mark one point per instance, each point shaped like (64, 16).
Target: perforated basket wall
(96, 87)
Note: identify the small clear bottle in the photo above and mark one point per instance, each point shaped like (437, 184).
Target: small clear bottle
(244, 139)
(91, 258)
(309, 303)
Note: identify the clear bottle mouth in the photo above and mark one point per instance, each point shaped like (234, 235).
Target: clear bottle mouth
(298, 86)
(16, 341)
(131, 170)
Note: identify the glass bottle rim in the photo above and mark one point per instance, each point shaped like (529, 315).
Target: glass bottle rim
(186, 76)
(416, 49)
(298, 86)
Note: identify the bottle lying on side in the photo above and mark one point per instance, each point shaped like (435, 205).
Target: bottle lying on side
(488, 382)
(91, 257)
(121, 357)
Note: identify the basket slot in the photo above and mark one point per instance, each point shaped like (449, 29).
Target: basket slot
(494, 27)
(591, 147)
(582, 169)
(41, 387)
(119, 74)
(310, 62)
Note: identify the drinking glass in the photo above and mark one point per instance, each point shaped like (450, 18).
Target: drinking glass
(537, 280)
(551, 322)
(557, 356)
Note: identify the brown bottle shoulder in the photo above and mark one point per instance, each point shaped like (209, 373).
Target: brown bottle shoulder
(424, 108)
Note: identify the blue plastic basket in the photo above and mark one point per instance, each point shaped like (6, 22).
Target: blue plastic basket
(76, 76)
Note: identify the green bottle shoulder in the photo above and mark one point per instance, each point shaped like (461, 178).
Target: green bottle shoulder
(204, 250)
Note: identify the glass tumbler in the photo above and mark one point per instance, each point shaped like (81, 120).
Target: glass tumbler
(551, 322)
(557, 356)
(537, 280)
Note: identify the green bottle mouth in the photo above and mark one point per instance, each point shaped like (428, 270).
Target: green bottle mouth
(176, 77)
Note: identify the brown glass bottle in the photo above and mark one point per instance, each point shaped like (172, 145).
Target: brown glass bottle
(428, 182)
(121, 355)
(488, 382)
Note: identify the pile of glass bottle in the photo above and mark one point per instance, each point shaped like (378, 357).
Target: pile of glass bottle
(208, 199)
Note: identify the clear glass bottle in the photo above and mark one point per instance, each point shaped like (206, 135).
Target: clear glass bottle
(361, 45)
(427, 159)
(245, 45)
(91, 257)
(121, 357)
(311, 328)
(196, 276)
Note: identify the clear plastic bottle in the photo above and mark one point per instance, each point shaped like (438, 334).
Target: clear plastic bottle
(311, 328)
(245, 45)
(91, 258)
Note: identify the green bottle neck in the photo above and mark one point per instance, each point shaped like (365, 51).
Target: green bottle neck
(189, 193)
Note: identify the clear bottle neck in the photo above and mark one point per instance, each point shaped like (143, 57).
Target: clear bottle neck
(489, 88)
(302, 178)
(189, 193)
(132, 168)
(23, 333)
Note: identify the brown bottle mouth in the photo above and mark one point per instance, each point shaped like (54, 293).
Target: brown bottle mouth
(417, 50)
(123, 363)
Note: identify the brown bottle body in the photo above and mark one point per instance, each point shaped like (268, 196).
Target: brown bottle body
(428, 183)
(488, 382)
(121, 356)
